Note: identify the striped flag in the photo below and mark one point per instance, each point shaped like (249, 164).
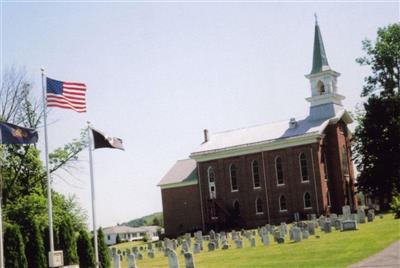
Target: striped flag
(67, 95)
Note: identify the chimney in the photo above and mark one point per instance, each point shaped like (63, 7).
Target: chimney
(206, 135)
(292, 123)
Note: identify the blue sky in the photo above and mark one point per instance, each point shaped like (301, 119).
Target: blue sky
(159, 73)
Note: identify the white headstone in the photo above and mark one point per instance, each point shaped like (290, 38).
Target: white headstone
(131, 261)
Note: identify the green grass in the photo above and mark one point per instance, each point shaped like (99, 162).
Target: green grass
(336, 249)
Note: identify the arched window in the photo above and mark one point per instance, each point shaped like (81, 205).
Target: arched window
(279, 171)
(256, 174)
(307, 200)
(259, 206)
(211, 183)
(345, 162)
(282, 203)
(321, 88)
(233, 175)
(236, 207)
(303, 167)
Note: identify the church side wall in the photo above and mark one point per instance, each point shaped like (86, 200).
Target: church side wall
(181, 210)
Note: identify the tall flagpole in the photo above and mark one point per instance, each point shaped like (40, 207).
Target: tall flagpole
(1, 203)
(96, 251)
(49, 203)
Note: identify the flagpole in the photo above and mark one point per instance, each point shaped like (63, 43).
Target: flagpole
(96, 251)
(49, 203)
(1, 204)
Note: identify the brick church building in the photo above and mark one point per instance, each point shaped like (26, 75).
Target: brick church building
(270, 173)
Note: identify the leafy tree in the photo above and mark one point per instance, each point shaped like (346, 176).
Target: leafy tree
(34, 249)
(67, 241)
(14, 248)
(85, 250)
(156, 221)
(104, 256)
(377, 146)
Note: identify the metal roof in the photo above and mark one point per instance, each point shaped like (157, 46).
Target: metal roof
(183, 171)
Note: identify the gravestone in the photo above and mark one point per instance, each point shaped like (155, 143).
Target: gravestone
(277, 234)
(150, 246)
(131, 261)
(212, 235)
(211, 246)
(337, 224)
(239, 243)
(280, 240)
(360, 215)
(114, 252)
(117, 261)
(311, 228)
(189, 260)
(196, 248)
(150, 254)
(296, 233)
(313, 217)
(371, 215)
(234, 235)
(349, 225)
(346, 210)
(327, 226)
(252, 242)
(174, 244)
(225, 245)
(185, 247)
(265, 239)
(139, 256)
(172, 259)
(305, 233)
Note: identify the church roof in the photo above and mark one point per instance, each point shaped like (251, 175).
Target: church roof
(320, 61)
(265, 134)
(184, 171)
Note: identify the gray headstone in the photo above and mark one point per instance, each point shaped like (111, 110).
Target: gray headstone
(327, 226)
(132, 261)
(225, 245)
(349, 225)
(311, 228)
(346, 210)
(360, 215)
(196, 248)
(117, 261)
(371, 215)
(211, 246)
(306, 234)
(239, 243)
(252, 242)
(296, 233)
(265, 239)
(185, 246)
(150, 254)
(172, 259)
(189, 260)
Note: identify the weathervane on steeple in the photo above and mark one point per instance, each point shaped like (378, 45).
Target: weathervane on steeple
(316, 18)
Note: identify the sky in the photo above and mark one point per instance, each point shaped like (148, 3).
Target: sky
(158, 73)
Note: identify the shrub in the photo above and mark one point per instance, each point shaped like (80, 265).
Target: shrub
(14, 249)
(395, 206)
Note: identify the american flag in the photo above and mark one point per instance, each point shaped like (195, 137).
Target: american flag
(67, 95)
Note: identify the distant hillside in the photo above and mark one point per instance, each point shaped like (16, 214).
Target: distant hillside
(146, 220)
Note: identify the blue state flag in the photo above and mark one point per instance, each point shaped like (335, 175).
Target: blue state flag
(13, 134)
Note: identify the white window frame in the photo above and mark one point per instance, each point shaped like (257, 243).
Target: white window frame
(262, 204)
(304, 201)
(301, 170)
(279, 201)
(230, 178)
(276, 172)
(252, 172)
(213, 194)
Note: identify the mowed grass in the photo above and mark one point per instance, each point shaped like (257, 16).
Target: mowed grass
(336, 249)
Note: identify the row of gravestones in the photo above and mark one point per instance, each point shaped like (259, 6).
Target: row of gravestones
(297, 232)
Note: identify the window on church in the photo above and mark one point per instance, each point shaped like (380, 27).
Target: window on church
(282, 203)
(329, 198)
(307, 200)
(325, 166)
(345, 162)
(303, 167)
(256, 174)
(279, 171)
(233, 175)
(259, 206)
(321, 88)
(211, 183)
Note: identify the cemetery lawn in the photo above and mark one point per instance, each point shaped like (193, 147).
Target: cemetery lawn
(336, 249)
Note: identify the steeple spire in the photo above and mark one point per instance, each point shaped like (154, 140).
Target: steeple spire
(320, 61)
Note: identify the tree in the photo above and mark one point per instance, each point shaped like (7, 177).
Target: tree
(14, 248)
(118, 239)
(376, 139)
(67, 241)
(156, 221)
(85, 250)
(34, 249)
(104, 256)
